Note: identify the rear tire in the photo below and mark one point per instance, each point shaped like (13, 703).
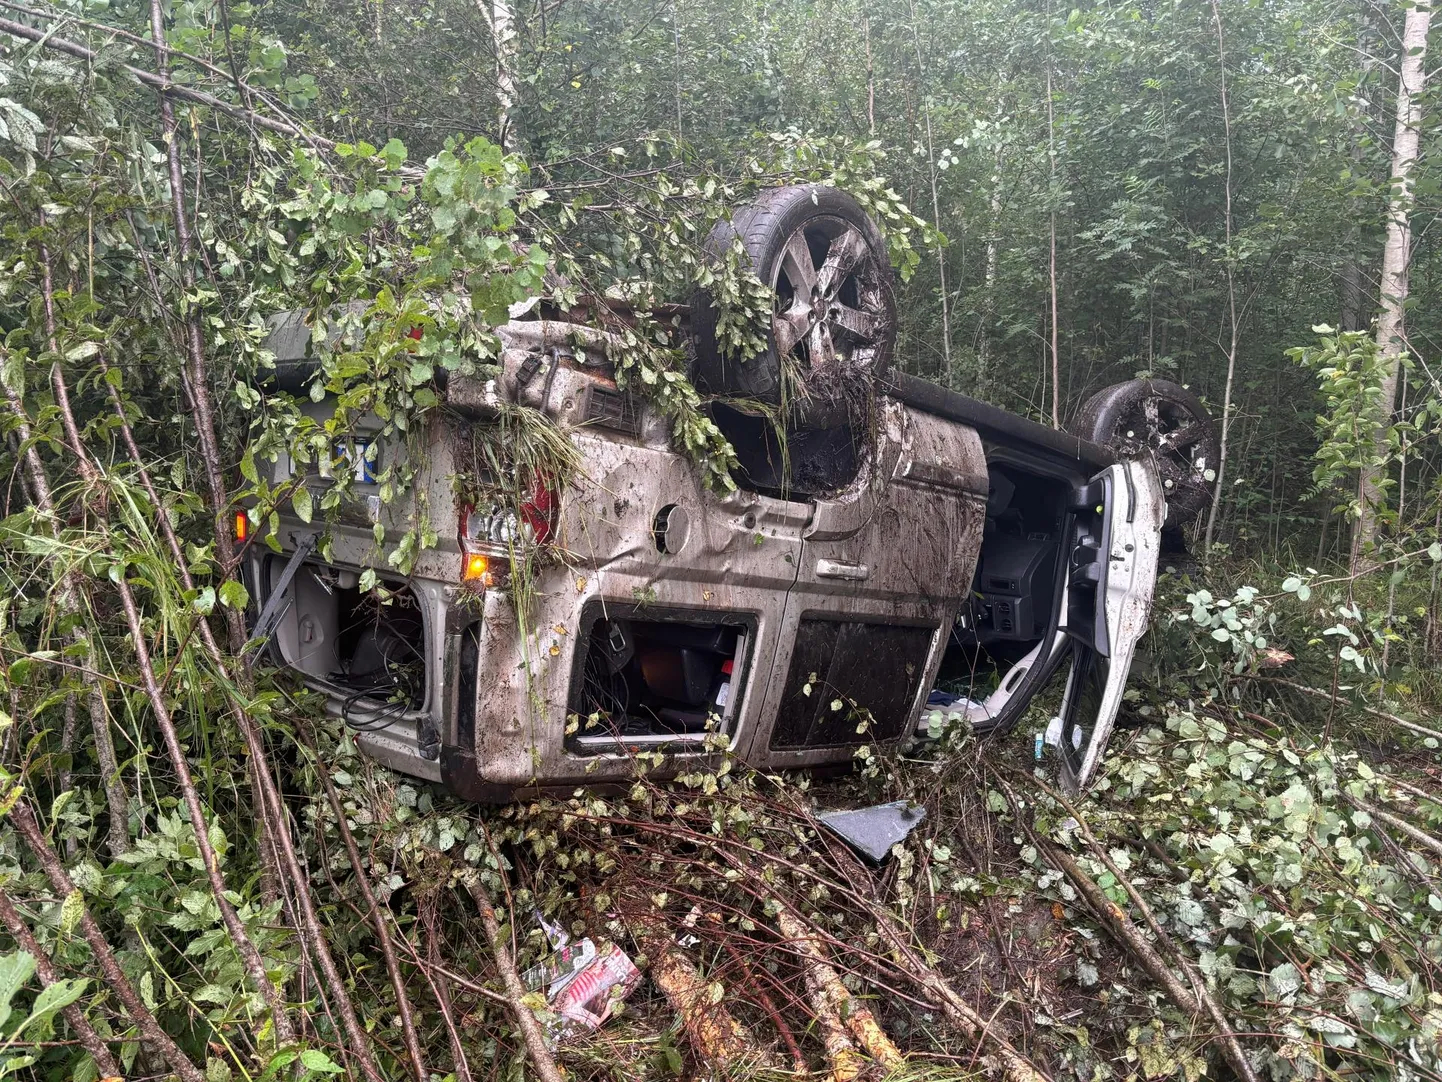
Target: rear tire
(1167, 421)
(833, 323)
(834, 320)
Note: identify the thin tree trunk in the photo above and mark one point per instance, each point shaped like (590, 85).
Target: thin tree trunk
(1051, 159)
(935, 201)
(993, 256)
(1231, 294)
(870, 78)
(531, 1033)
(194, 374)
(502, 20)
(1396, 259)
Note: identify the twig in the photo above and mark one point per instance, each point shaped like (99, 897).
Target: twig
(1318, 693)
(29, 829)
(164, 85)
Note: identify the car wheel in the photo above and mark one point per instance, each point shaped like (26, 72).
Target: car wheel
(1157, 417)
(833, 321)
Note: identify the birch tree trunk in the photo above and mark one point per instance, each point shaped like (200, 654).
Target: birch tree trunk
(1051, 160)
(935, 201)
(502, 20)
(1231, 295)
(1396, 261)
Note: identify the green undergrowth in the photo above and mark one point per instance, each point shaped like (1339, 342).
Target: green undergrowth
(1317, 927)
(1255, 819)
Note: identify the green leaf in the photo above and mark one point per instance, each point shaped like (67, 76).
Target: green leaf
(301, 501)
(71, 910)
(233, 595)
(15, 970)
(313, 1059)
(53, 999)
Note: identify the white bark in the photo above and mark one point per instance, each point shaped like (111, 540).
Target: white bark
(935, 202)
(503, 33)
(1051, 159)
(1397, 254)
(1231, 295)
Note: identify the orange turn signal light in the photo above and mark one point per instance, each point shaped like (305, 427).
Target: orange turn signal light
(242, 526)
(476, 568)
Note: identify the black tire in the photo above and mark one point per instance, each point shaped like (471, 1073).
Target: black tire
(1160, 418)
(834, 322)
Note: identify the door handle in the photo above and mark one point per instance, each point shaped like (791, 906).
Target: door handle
(835, 569)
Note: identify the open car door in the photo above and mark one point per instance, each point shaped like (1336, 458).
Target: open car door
(1112, 571)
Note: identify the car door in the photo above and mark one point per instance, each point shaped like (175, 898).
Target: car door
(1112, 572)
(883, 567)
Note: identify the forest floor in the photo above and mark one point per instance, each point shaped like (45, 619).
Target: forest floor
(1236, 897)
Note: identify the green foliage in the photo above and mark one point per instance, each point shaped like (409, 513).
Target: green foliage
(637, 130)
(1356, 428)
(1288, 892)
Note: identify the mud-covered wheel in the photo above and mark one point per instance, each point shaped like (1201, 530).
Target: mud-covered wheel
(833, 321)
(1158, 417)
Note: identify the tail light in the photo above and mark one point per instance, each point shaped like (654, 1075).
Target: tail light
(479, 569)
(488, 535)
(539, 512)
(242, 526)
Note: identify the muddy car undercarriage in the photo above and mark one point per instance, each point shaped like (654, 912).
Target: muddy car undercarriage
(873, 541)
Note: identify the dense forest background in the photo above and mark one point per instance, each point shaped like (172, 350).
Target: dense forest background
(1004, 125)
(200, 877)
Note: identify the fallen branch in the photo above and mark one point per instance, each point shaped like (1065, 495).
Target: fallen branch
(825, 985)
(1318, 693)
(718, 1038)
(1416, 834)
(526, 1021)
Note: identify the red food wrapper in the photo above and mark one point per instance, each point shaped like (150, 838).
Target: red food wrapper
(591, 995)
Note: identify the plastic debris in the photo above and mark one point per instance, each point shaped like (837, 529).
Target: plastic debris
(582, 982)
(873, 831)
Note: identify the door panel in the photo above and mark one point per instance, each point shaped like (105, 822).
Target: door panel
(1112, 575)
(882, 570)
